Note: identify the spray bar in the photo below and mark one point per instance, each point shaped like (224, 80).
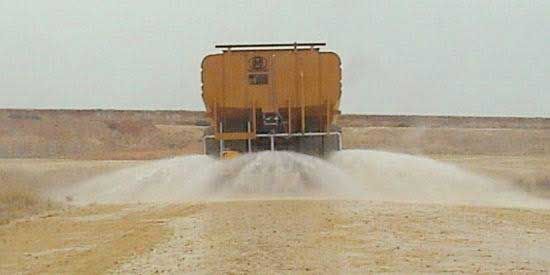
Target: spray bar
(272, 136)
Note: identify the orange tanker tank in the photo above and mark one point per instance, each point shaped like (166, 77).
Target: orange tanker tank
(272, 97)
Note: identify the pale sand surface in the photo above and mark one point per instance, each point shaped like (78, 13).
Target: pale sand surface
(276, 235)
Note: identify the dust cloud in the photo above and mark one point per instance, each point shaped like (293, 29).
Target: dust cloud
(406, 178)
(282, 174)
(164, 180)
(198, 177)
(348, 174)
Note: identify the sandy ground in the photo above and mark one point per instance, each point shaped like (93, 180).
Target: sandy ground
(529, 172)
(507, 167)
(279, 236)
(282, 235)
(137, 135)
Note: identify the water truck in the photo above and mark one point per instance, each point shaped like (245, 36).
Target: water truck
(262, 97)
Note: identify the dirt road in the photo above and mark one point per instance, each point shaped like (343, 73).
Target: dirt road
(280, 236)
(274, 235)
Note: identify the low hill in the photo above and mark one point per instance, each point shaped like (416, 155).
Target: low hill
(119, 134)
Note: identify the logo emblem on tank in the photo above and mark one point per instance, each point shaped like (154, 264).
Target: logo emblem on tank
(257, 64)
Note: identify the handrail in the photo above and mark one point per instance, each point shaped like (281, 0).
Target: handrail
(295, 45)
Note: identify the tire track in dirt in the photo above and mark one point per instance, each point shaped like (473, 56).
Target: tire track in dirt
(243, 236)
(334, 236)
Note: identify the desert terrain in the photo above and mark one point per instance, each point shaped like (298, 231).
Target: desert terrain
(455, 195)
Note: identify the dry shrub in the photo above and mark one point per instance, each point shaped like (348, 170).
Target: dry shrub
(18, 199)
(537, 185)
(543, 184)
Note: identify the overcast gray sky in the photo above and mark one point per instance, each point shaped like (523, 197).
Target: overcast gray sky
(399, 57)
